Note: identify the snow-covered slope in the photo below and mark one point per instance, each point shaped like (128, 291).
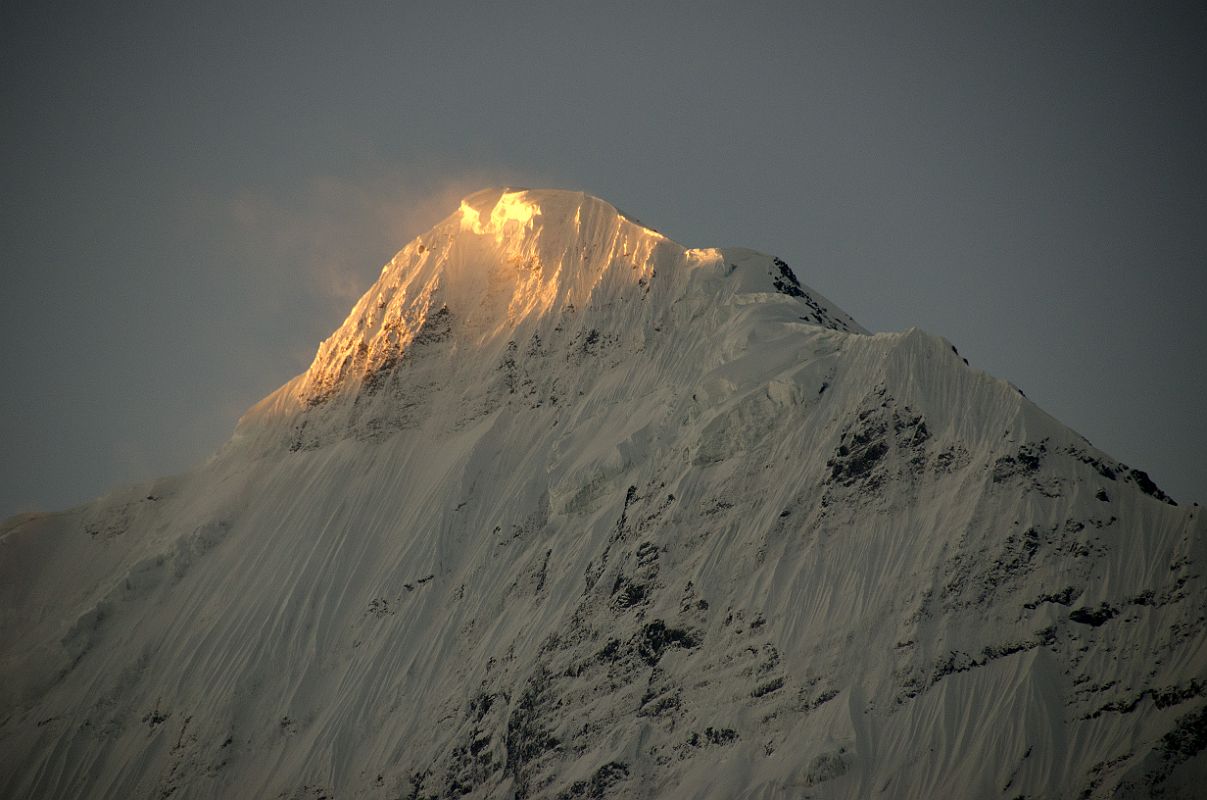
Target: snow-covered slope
(567, 510)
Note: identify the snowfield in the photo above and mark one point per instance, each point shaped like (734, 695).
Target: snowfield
(567, 510)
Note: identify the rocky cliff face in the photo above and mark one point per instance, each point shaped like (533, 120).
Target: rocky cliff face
(567, 510)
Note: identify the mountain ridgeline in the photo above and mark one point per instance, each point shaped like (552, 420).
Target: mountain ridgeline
(567, 510)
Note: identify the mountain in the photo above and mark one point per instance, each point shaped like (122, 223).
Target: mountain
(567, 510)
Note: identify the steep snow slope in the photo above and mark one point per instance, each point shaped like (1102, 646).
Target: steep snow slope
(566, 510)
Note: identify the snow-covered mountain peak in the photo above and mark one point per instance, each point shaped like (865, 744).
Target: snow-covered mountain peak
(513, 264)
(564, 510)
(509, 213)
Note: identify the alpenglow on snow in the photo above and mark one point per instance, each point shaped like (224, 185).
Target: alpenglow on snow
(564, 510)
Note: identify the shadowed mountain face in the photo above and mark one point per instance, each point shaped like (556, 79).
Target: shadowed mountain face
(566, 510)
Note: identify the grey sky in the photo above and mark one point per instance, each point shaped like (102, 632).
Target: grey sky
(193, 198)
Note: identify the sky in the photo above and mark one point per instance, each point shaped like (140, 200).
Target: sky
(195, 194)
